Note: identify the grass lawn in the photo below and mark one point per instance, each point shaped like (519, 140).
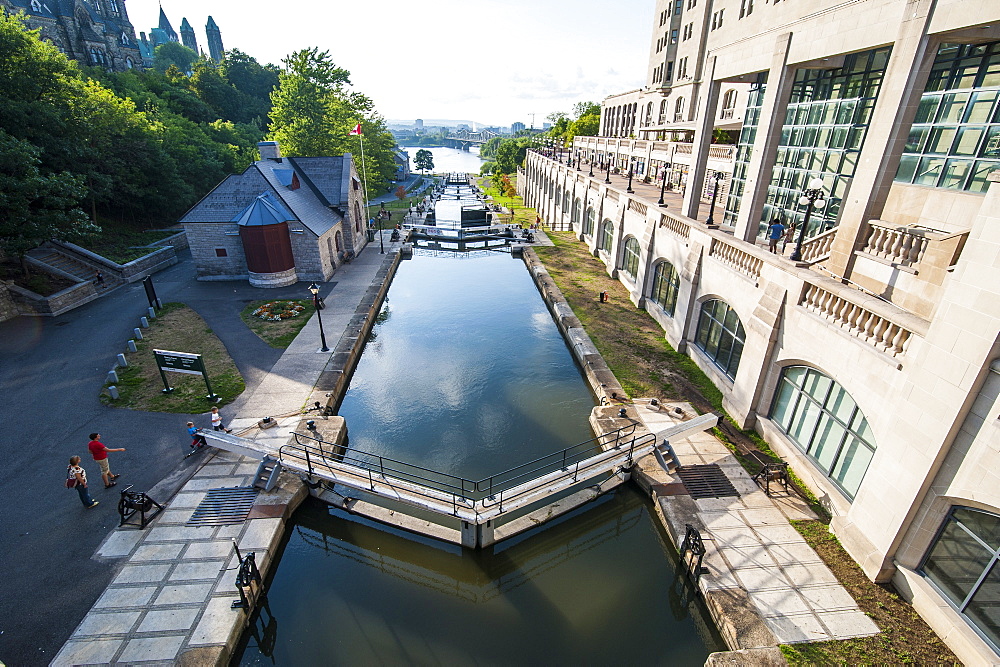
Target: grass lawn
(637, 352)
(180, 329)
(523, 215)
(281, 333)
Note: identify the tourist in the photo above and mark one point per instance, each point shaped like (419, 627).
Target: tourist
(775, 231)
(100, 454)
(99, 278)
(197, 439)
(217, 424)
(76, 472)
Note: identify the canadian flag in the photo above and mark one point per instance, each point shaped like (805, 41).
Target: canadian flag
(356, 130)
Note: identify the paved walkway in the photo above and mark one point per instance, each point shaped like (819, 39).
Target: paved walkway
(751, 547)
(173, 592)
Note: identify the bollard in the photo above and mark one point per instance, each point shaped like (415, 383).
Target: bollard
(152, 313)
(112, 377)
(144, 322)
(138, 333)
(122, 361)
(113, 392)
(130, 345)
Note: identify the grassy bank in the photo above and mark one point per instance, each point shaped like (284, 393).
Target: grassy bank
(523, 215)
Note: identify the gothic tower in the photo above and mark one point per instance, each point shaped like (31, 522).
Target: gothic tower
(187, 35)
(215, 49)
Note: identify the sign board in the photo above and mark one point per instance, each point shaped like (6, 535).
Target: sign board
(179, 362)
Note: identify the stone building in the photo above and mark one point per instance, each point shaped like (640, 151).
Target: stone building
(215, 49)
(94, 32)
(281, 220)
(871, 363)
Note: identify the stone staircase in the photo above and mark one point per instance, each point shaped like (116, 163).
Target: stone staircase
(84, 271)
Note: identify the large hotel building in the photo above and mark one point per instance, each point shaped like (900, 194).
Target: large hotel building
(868, 357)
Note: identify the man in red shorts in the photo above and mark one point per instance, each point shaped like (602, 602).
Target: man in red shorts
(100, 454)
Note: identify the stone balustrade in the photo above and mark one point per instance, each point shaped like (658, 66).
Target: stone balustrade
(818, 247)
(737, 258)
(902, 245)
(675, 226)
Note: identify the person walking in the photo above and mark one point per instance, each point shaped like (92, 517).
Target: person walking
(217, 424)
(76, 471)
(775, 231)
(99, 278)
(100, 454)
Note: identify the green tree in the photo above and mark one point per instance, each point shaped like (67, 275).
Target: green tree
(424, 161)
(176, 54)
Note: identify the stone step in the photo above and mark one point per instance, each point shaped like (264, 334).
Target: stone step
(72, 266)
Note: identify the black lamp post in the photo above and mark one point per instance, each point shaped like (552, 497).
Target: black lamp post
(591, 163)
(631, 168)
(314, 288)
(812, 197)
(579, 159)
(663, 185)
(569, 157)
(607, 175)
(718, 176)
(381, 243)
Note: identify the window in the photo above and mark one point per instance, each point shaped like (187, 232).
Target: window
(688, 32)
(221, 252)
(720, 336)
(575, 218)
(670, 70)
(678, 7)
(36, 6)
(588, 222)
(630, 258)
(566, 201)
(679, 107)
(692, 4)
(822, 419)
(666, 282)
(673, 36)
(113, 6)
(963, 563)
(607, 240)
(717, 19)
(663, 16)
(746, 8)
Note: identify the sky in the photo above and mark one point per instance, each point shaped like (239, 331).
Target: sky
(489, 61)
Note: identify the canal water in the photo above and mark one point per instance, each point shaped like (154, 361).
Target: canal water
(466, 373)
(449, 160)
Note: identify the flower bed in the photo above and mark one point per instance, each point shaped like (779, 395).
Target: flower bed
(275, 311)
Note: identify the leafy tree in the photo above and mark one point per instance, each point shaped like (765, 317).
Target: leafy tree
(36, 207)
(489, 148)
(175, 54)
(510, 153)
(400, 192)
(424, 161)
(581, 109)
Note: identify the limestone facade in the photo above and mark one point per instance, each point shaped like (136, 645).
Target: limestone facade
(893, 309)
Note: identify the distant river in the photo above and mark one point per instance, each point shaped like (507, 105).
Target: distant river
(447, 160)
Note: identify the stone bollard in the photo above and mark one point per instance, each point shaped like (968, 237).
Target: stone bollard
(112, 377)
(144, 322)
(130, 345)
(152, 313)
(138, 333)
(113, 392)
(122, 361)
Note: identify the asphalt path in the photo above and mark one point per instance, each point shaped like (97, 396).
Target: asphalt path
(51, 373)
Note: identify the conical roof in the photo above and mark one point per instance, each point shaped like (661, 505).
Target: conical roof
(263, 211)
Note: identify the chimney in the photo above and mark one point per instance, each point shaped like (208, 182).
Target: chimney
(269, 150)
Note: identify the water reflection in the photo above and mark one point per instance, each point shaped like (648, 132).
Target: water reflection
(449, 160)
(597, 586)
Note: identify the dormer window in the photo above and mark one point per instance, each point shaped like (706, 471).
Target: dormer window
(124, 38)
(295, 182)
(113, 6)
(36, 6)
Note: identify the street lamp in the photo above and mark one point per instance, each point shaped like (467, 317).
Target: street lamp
(569, 157)
(607, 175)
(314, 288)
(718, 176)
(631, 168)
(812, 197)
(579, 159)
(663, 185)
(381, 243)
(591, 163)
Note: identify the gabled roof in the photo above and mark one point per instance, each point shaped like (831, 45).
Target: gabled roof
(324, 175)
(263, 211)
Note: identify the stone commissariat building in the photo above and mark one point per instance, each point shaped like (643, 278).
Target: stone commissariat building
(280, 221)
(872, 364)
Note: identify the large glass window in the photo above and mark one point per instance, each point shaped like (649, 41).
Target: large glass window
(964, 564)
(721, 336)
(588, 221)
(575, 218)
(666, 282)
(822, 419)
(954, 141)
(744, 147)
(607, 236)
(630, 258)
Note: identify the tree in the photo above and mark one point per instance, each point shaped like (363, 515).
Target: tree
(400, 192)
(424, 161)
(176, 54)
(581, 109)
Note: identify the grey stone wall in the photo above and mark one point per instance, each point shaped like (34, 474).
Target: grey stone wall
(8, 309)
(204, 238)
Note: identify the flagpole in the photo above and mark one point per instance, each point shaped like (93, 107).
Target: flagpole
(364, 172)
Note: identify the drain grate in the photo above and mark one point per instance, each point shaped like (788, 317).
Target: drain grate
(706, 481)
(222, 507)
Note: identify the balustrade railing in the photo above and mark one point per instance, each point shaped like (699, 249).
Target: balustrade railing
(675, 226)
(903, 246)
(736, 258)
(863, 323)
(818, 247)
(637, 207)
(723, 152)
(682, 149)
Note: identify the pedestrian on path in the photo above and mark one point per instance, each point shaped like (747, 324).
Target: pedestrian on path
(99, 278)
(775, 231)
(100, 454)
(197, 439)
(217, 424)
(76, 471)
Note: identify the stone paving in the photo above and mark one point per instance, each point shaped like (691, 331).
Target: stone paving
(751, 546)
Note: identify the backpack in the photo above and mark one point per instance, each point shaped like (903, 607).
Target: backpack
(71, 480)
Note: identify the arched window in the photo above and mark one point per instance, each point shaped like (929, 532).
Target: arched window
(357, 217)
(566, 201)
(720, 336)
(575, 218)
(666, 282)
(961, 564)
(607, 235)
(663, 112)
(649, 114)
(822, 419)
(337, 239)
(729, 100)
(679, 109)
(128, 63)
(630, 258)
(588, 221)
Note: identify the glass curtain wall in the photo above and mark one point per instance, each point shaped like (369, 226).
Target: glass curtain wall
(822, 419)
(825, 125)
(744, 148)
(954, 141)
(964, 564)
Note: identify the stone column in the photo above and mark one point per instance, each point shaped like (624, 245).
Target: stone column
(702, 142)
(765, 147)
(898, 98)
